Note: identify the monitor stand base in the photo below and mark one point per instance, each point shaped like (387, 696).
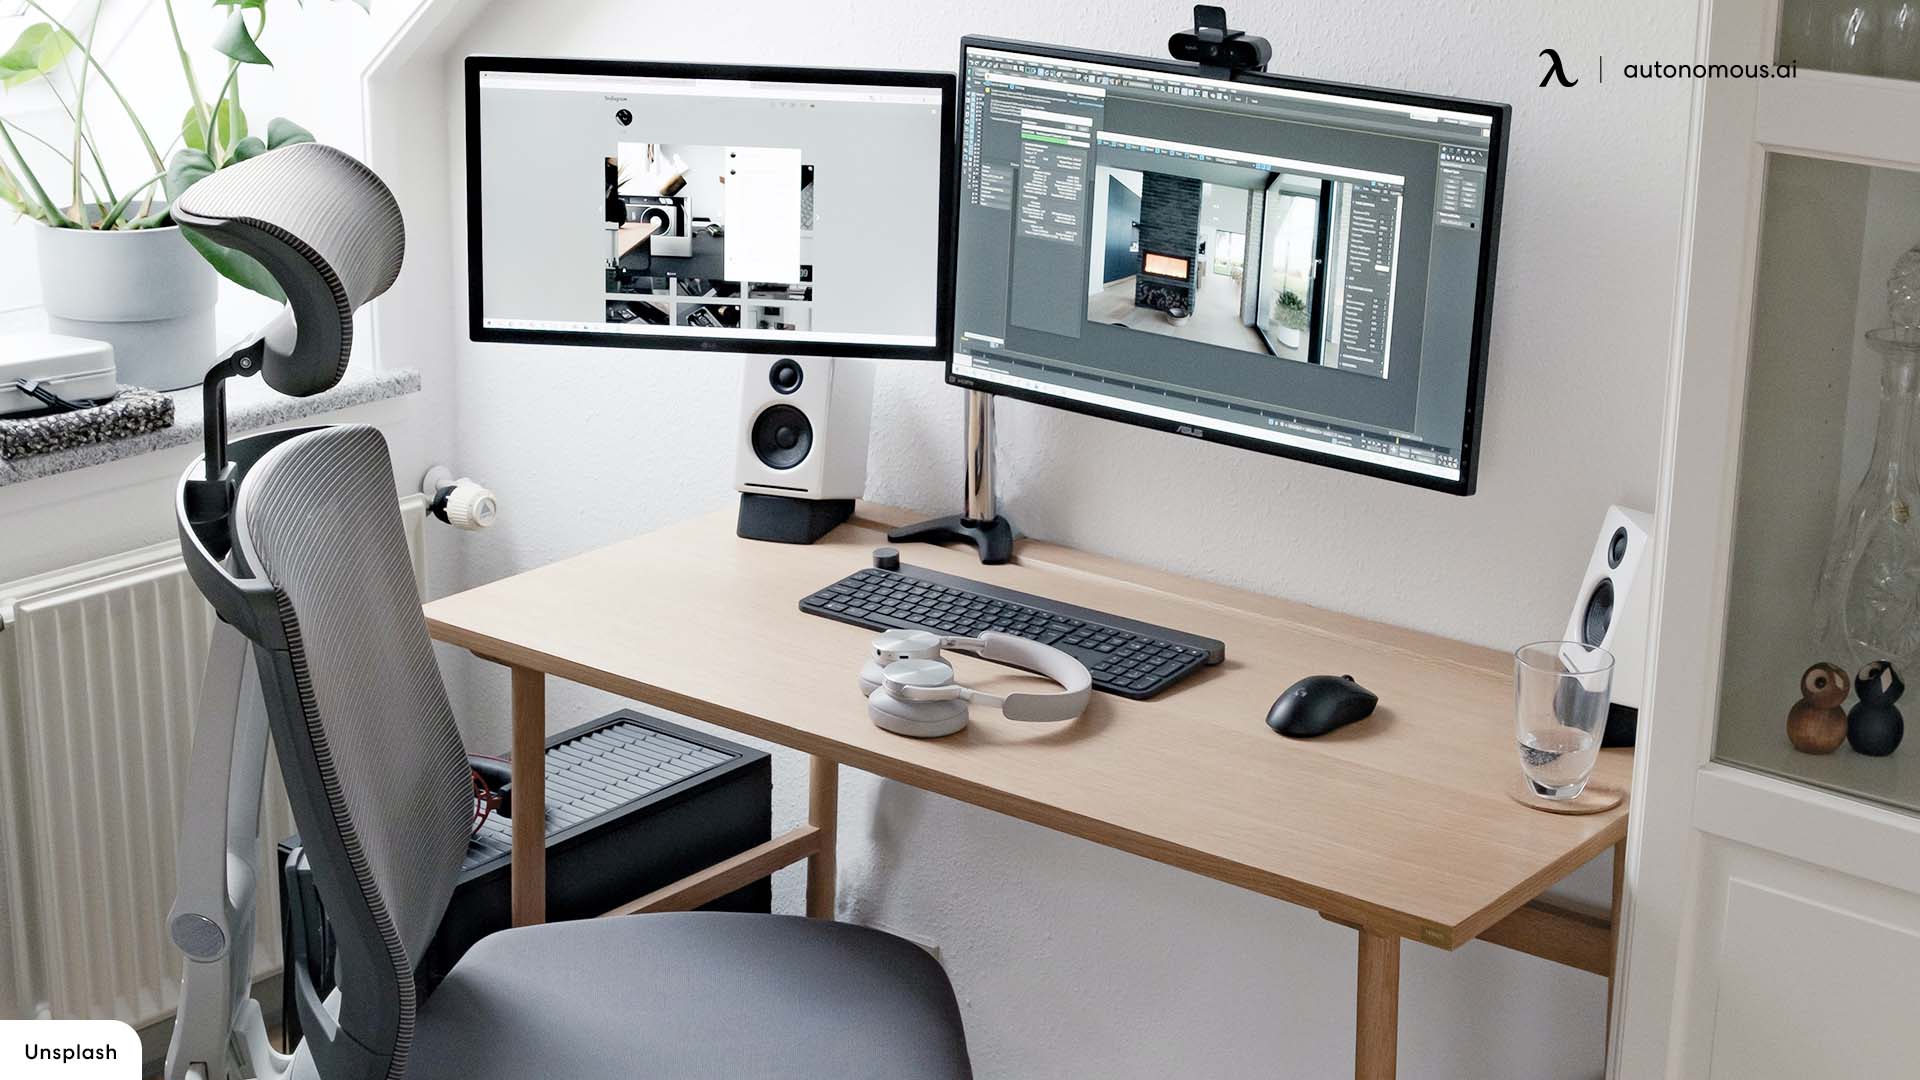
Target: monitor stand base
(993, 538)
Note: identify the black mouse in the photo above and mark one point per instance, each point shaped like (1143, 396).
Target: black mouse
(1318, 704)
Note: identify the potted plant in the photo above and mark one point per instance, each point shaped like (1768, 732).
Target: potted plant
(113, 266)
(1290, 318)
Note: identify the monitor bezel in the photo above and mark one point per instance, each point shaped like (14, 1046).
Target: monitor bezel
(1499, 117)
(941, 349)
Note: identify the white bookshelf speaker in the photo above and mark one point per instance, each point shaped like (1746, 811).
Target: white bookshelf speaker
(1610, 612)
(800, 456)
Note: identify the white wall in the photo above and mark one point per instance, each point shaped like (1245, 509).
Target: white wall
(1072, 960)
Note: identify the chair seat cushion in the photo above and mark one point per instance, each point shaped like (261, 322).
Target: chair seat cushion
(692, 995)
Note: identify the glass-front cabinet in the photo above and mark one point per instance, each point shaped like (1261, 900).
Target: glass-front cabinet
(1857, 37)
(1822, 562)
(1823, 597)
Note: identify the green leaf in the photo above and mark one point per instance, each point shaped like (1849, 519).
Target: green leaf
(284, 132)
(38, 50)
(251, 146)
(235, 41)
(229, 126)
(252, 4)
(188, 168)
(240, 269)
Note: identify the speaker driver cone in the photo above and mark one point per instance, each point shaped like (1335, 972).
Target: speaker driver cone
(1599, 615)
(782, 437)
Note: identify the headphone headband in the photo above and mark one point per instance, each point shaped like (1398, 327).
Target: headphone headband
(911, 690)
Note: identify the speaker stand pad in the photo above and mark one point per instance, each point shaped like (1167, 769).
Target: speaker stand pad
(784, 519)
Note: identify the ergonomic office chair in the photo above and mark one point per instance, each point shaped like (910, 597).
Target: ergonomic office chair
(295, 538)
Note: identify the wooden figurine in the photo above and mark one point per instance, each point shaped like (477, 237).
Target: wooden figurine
(1817, 724)
(1875, 726)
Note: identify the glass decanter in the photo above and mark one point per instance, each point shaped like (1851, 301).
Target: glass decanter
(1869, 597)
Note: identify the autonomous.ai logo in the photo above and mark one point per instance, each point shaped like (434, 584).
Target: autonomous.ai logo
(1656, 70)
(1556, 69)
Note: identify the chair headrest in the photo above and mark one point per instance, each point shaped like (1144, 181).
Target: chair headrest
(330, 233)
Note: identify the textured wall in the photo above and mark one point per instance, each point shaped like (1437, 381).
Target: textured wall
(1073, 961)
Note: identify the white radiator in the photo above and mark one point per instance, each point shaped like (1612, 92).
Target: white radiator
(99, 665)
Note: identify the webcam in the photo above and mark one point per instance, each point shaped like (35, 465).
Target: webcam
(625, 116)
(1211, 45)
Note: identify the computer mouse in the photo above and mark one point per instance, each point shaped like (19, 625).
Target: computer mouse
(1318, 704)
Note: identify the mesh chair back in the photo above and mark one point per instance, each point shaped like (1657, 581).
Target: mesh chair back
(382, 791)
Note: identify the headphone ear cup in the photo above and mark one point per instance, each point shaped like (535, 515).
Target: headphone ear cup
(918, 719)
(871, 675)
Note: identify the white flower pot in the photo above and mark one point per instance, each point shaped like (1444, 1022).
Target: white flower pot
(144, 291)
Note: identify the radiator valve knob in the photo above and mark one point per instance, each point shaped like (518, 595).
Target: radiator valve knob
(460, 503)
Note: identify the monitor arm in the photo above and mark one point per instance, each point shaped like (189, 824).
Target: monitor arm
(980, 523)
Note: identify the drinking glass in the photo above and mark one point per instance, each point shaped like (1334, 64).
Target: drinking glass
(1560, 695)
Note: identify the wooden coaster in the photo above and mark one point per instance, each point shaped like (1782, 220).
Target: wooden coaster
(1595, 799)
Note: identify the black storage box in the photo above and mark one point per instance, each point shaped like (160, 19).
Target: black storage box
(622, 821)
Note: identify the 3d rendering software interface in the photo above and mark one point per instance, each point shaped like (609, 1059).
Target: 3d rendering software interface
(712, 208)
(1294, 267)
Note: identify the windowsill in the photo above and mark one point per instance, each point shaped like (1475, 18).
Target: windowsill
(251, 405)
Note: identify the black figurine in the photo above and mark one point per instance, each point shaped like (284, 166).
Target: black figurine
(1874, 726)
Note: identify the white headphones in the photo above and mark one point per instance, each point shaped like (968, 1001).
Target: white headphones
(910, 690)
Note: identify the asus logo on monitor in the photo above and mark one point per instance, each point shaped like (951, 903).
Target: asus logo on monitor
(1187, 429)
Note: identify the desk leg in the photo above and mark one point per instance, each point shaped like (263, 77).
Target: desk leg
(1377, 1021)
(529, 873)
(823, 812)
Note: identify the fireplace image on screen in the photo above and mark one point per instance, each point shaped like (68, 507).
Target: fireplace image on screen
(1214, 252)
(695, 233)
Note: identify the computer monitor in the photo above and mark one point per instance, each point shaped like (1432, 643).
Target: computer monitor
(741, 209)
(1296, 267)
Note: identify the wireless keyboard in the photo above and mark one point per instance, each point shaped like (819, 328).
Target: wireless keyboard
(1128, 658)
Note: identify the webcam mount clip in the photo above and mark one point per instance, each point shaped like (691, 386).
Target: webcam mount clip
(1220, 51)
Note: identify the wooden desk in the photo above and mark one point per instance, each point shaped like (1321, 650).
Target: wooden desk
(631, 235)
(1399, 827)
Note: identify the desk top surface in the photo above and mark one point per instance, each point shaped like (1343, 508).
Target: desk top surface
(1401, 823)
